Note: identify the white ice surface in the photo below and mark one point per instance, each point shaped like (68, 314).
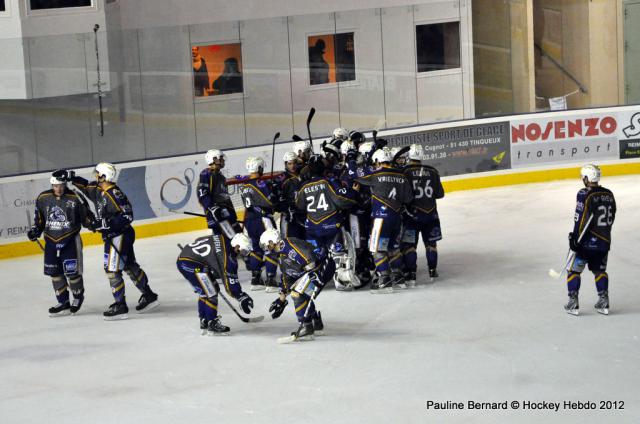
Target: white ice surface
(491, 328)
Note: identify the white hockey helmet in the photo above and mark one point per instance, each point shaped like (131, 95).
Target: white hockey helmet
(106, 170)
(289, 156)
(243, 242)
(213, 154)
(301, 147)
(365, 147)
(340, 134)
(269, 236)
(395, 151)
(330, 150)
(591, 172)
(416, 152)
(253, 164)
(346, 146)
(382, 155)
(55, 180)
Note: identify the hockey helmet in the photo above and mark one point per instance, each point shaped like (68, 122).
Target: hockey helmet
(591, 172)
(213, 154)
(253, 164)
(105, 170)
(269, 236)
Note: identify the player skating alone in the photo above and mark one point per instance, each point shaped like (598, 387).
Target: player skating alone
(422, 215)
(205, 262)
(304, 274)
(115, 214)
(60, 214)
(390, 193)
(594, 216)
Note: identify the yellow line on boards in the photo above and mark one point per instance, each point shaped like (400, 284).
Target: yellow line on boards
(24, 248)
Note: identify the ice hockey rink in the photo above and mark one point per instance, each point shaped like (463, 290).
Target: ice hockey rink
(490, 329)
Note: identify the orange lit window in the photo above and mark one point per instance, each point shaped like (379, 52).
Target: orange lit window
(331, 58)
(217, 69)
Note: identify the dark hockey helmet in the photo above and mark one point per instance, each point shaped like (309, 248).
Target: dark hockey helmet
(357, 137)
(316, 165)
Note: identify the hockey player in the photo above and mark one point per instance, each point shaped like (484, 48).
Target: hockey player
(214, 197)
(115, 214)
(291, 219)
(60, 214)
(591, 239)
(205, 262)
(304, 275)
(323, 201)
(259, 198)
(390, 192)
(421, 216)
(340, 134)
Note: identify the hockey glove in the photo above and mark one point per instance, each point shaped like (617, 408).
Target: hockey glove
(64, 174)
(219, 213)
(246, 303)
(33, 234)
(277, 307)
(351, 155)
(573, 243)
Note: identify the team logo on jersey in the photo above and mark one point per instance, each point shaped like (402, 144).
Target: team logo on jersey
(70, 266)
(57, 219)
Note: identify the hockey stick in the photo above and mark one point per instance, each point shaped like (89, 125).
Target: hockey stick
(201, 215)
(36, 240)
(571, 255)
(401, 152)
(95, 32)
(296, 335)
(85, 202)
(273, 149)
(296, 137)
(312, 112)
(242, 318)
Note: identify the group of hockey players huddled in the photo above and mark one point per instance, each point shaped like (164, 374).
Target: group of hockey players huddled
(350, 215)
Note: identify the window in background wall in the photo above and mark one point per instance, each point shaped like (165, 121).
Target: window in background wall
(217, 69)
(331, 58)
(438, 46)
(2, 7)
(58, 4)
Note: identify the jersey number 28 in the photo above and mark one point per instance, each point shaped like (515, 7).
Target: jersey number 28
(605, 218)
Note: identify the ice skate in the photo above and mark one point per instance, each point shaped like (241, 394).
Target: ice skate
(257, 283)
(204, 323)
(147, 302)
(433, 274)
(271, 286)
(382, 285)
(60, 310)
(116, 311)
(215, 328)
(318, 325)
(572, 305)
(76, 303)
(410, 279)
(602, 305)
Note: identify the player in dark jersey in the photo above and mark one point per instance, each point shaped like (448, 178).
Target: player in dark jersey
(323, 201)
(422, 215)
(214, 197)
(259, 200)
(304, 274)
(291, 219)
(591, 239)
(206, 261)
(390, 193)
(115, 214)
(60, 214)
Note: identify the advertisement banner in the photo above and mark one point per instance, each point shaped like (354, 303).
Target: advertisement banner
(629, 134)
(162, 188)
(561, 138)
(461, 150)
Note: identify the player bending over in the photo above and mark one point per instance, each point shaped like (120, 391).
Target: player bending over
(304, 275)
(207, 260)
